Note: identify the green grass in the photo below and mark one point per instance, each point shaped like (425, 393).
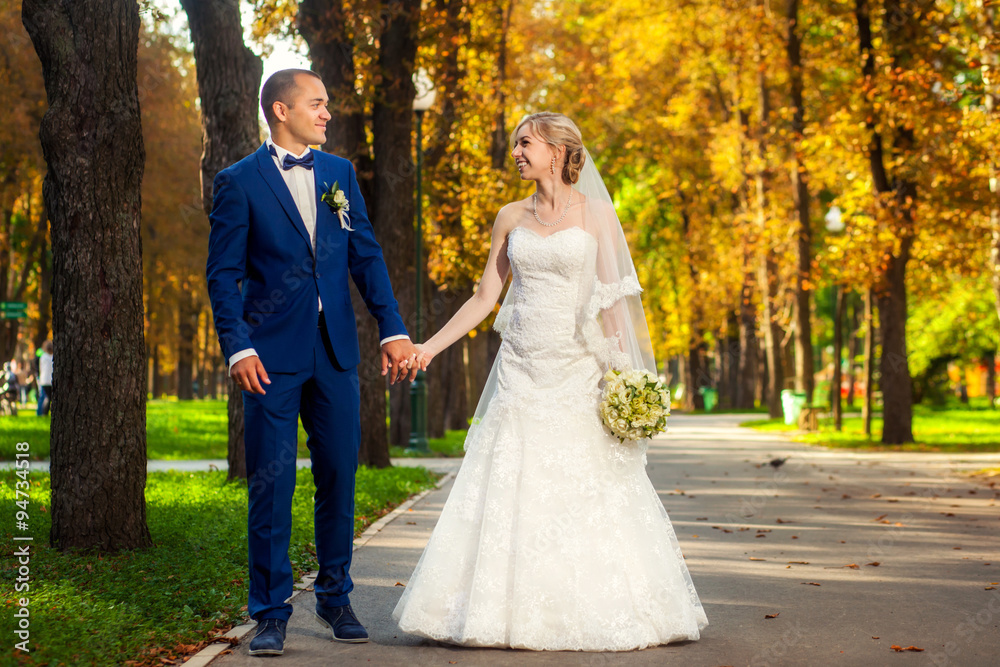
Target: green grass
(90, 608)
(722, 411)
(952, 428)
(451, 445)
(175, 430)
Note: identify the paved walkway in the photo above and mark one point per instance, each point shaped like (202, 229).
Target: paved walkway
(799, 542)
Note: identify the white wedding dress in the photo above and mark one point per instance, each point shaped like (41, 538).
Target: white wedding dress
(553, 537)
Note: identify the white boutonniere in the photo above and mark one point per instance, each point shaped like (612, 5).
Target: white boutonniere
(337, 201)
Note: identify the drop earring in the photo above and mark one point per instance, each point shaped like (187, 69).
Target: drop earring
(552, 167)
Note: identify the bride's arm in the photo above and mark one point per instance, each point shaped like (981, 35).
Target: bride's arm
(480, 305)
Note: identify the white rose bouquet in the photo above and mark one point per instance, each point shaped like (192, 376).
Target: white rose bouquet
(635, 404)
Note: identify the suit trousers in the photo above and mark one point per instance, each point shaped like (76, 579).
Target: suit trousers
(328, 399)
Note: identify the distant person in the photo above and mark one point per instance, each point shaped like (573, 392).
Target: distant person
(24, 380)
(45, 379)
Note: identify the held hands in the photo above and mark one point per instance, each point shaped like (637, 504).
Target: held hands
(400, 357)
(424, 356)
(246, 372)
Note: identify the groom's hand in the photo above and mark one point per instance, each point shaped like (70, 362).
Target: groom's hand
(248, 374)
(398, 358)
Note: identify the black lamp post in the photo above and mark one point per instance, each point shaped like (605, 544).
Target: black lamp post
(418, 389)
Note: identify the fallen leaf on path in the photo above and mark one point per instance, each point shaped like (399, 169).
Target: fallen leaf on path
(874, 637)
(772, 615)
(879, 518)
(990, 588)
(411, 523)
(783, 521)
(853, 566)
(763, 530)
(957, 548)
(702, 518)
(898, 648)
(874, 563)
(760, 535)
(399, 583)
(845, 496)
(799, 562)
(875, 495)
(752, 558)
(809, 583)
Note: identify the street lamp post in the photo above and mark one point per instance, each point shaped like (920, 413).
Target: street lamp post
(835, 225)
(418, 389)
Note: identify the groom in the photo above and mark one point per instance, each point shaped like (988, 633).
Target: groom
(279, 256)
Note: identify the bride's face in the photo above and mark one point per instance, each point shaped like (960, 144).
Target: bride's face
(532, 156)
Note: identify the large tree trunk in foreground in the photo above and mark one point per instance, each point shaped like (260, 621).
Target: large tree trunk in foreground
(91, 136)
(228, 83)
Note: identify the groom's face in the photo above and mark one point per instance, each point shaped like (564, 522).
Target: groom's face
(305, 114)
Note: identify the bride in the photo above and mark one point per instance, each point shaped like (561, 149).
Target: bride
(553, 537)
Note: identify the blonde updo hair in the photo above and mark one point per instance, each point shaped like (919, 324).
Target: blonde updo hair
(557, 130)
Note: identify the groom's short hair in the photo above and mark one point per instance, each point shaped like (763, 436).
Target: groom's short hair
(279, 88)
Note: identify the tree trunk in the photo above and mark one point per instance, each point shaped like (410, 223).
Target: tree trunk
(800, 193)
(766, 264)
(838, 350)
(157, 382)
(393, 206)
(852, 349)
(91, 136)
(498, 135)
(205, 366)
(991, 84)
(747, 366)
(44, 286)
(897, 390)
(323, 25)
(228, 84)
(869, 370)
(6, 212)
(187, 331)
(733, 360)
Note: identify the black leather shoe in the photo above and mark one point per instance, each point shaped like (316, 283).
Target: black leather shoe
(270, 637)
(345, 625)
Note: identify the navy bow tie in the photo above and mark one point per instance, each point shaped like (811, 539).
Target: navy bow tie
(290, 161)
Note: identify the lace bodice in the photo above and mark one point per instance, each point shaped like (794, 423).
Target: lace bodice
(556, 296)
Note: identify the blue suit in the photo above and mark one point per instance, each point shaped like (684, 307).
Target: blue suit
(264, 278)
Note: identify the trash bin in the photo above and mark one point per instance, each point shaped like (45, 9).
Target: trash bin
(791, 405)
(711, 397)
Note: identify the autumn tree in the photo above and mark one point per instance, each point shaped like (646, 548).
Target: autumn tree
(228, 81)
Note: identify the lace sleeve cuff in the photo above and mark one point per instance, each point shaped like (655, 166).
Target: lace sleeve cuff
(606, 294)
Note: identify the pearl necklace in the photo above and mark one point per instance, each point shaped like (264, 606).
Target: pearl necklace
(534, 209)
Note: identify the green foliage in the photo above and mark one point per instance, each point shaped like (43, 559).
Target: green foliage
(451, 445)
(93, 608)
(175, 430)
(973, 428)
(958, 322)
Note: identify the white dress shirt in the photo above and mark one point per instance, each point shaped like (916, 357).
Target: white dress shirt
(301, 184)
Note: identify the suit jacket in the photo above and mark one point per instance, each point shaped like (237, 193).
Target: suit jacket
(264, 276)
